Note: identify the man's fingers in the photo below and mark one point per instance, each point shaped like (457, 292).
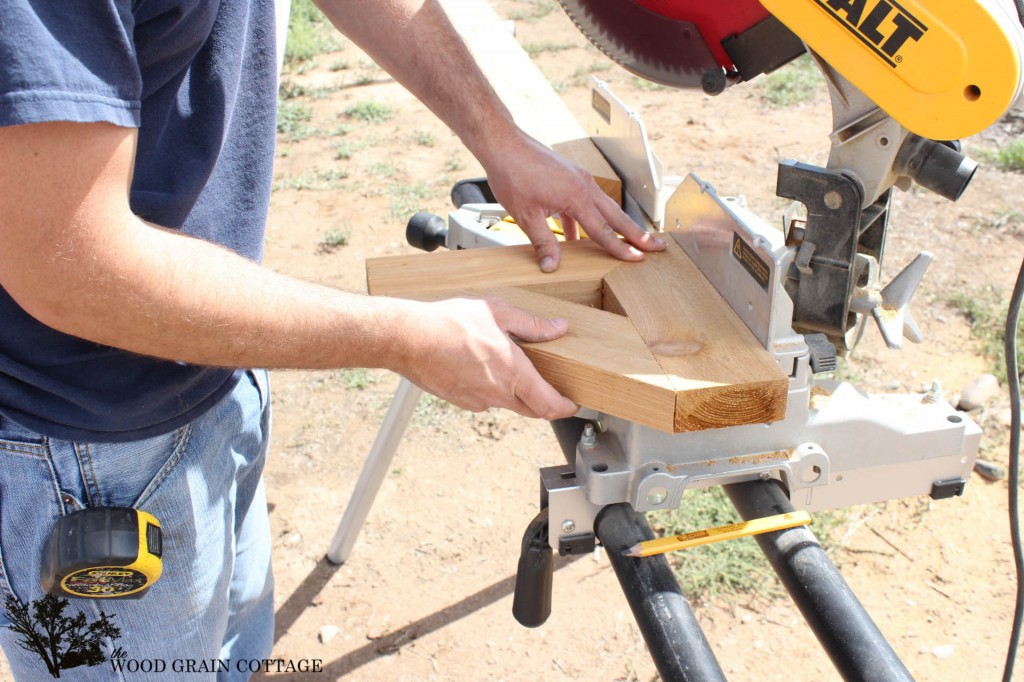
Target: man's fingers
(542, 400)
(624, 225)
(570, 230)
(544, 242)
(599, 231)
(526, 326)
(604, 222)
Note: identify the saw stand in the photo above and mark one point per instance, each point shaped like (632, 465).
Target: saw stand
(804, 294)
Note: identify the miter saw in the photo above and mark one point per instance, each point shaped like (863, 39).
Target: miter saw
(907, 79)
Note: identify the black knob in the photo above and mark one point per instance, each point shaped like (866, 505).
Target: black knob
(426, 231)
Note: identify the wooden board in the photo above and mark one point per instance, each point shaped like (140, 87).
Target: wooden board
(585, 154)
(533, 103)
(651, 342)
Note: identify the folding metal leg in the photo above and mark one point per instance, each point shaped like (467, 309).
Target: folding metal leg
(374, 470)
(847, 633)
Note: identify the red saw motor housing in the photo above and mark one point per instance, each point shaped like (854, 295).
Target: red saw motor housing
(707, 44)
(715, 19)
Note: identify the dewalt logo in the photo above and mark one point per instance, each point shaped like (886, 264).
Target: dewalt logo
(882, 25)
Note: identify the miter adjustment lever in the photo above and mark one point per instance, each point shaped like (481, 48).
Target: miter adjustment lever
(891, 306)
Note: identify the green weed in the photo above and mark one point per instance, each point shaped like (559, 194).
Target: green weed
(291, 90)
(534, 11)
(357, 378)
(729, 568)
(644, 84)
(369, 111)
(431, 411)
(1007, 220)
(721, 568)
(1009, 157)
(581, 77)
(408, 199)
(383, 169)
(847, 371)
(292, 119)
(534, 49)
(333, 240)
(795, 82)
(986, 310)
(318, 180)
(343, 151)
(424, 138)
(310, 34)
(453, 164)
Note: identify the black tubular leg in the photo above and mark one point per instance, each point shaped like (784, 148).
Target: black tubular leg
(857, 648)
(676, 643)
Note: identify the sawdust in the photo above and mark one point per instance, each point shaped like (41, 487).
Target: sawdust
(820, 397)
(764, 457)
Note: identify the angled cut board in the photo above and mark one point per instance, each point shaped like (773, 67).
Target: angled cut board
(651, 342)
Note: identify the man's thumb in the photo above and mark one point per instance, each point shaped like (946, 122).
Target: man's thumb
(531, 328)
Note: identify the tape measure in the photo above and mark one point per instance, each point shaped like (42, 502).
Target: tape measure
(103, 553)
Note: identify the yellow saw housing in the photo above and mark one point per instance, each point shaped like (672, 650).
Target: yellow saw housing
(944, 69)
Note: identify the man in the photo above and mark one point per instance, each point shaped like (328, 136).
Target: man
(136, 149)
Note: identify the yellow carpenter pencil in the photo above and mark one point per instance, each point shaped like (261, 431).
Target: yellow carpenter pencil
(709, 535)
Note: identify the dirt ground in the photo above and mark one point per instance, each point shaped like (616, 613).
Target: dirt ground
(427, 592)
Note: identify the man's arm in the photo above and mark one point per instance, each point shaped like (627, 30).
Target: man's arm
(414, 42)
(74, 256)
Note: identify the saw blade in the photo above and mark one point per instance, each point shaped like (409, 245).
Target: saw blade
(667, 51)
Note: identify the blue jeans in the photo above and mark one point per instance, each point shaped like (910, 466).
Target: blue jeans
(213, 605)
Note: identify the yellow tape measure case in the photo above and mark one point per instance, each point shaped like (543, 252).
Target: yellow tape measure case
(103, 553)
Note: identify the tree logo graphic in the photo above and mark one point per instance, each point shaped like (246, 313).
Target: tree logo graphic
(62, 642)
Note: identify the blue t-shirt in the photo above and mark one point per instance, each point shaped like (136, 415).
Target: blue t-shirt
(198, 79)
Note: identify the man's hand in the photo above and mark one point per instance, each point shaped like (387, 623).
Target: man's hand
(532, 182)
(463, 351)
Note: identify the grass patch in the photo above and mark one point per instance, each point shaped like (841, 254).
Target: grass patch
(383, 169)
(453, 164)
(1008, 220)
(357, 378)
(291, 90)
(310, 34)
(424, 138)
(343, 151)
(795, 82)
(848, 371)
(333, 240)
(723, 569)
(644, 84)
(581, 77)
(534, 49)
(1009, 157)
(408, 199)
(431, 411)
(535, 10)
(369, 111)
(293, 119)
(985, 309)
(318, 180)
